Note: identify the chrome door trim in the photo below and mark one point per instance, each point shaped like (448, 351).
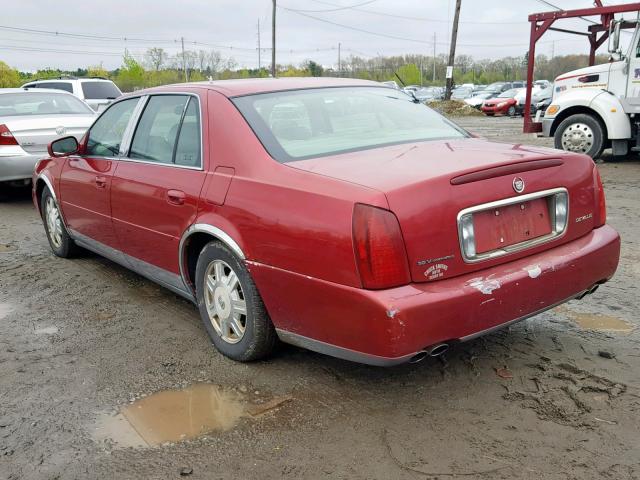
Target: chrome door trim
(127, 136)
(518, 246)
(216, 232)
(169, 280)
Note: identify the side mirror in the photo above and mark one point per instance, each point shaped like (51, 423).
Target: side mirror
(63, 147)
(614, 36)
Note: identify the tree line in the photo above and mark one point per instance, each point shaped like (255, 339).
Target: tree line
(157, 67)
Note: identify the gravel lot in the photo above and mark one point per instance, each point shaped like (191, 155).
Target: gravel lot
(555, 397)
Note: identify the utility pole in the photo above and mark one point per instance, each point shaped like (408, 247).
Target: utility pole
(339, 61)
(259, 57)
(434, 57)
(184, 62)
(273, 40)
(452, 50)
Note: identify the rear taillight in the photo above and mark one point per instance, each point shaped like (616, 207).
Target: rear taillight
(6, 137)
(379, 248)
(601, 213)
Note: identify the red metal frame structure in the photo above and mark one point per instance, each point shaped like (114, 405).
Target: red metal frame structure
(541, 22)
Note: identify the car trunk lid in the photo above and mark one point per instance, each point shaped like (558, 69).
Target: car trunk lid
(35, 132)
(430, 185)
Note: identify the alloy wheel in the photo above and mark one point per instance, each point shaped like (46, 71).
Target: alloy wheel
(225, 302)
(54, 222)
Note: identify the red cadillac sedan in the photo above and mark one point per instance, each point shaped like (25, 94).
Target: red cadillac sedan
(337, 215)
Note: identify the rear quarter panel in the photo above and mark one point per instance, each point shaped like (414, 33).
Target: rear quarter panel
(292, 220)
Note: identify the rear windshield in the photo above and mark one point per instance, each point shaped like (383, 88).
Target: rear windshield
(100, 90)
(66, 86)
(301, 124)
(41, 103)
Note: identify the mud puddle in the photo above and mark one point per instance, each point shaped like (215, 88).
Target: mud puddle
(177, 415)
(597, 321)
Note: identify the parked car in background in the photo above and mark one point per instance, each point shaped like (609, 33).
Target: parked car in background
(392, 84)
(428, 94)
(498, 87)
(29, 121)
(461, 93)
(254, 217)
(97, 92)
(503, 104)
(478, 98)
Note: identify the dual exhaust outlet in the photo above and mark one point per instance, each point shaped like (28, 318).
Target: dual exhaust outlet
(434, 351)
(439, 349)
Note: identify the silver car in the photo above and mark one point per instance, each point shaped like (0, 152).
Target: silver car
(30, 120)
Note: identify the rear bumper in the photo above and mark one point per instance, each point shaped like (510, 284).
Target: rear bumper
(18, 167)
(388, 327)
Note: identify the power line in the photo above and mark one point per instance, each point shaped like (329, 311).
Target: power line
(421, 19)
(338, 8)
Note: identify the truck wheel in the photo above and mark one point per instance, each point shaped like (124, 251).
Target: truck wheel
(580, 133)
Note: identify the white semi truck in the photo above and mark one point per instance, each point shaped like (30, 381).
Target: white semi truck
(598, 107)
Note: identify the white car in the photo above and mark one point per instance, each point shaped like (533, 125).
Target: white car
(478, 98)
(29, 121)
(97, 92)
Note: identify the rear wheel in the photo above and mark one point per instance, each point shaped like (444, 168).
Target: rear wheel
(231, 307)
(60, 242)
(580, 133)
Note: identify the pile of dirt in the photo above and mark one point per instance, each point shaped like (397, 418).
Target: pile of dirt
(455, 108)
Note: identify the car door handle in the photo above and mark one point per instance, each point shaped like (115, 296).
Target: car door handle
(175, 197)
(101, 181)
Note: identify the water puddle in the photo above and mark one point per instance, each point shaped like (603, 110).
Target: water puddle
(47, 331)
(5, 309)
(5, 247)
(597, 321)
(177, 415)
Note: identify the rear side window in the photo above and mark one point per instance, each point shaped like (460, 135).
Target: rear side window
(168, 131)
(66, 86)
(100, 90)
(106, 133)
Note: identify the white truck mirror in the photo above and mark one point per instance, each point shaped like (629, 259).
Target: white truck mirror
(614, 36)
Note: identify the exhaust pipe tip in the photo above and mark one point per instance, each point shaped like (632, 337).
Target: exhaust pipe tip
(418, 357)
(438, 350)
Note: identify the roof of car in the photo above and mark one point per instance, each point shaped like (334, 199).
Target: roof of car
(239, 87)
(34, 90)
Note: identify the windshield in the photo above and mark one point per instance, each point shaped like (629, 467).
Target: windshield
(509, 93)
(41, 103)
(97, 90)
(300, 124)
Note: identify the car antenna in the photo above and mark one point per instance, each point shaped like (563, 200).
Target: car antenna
(410, 92)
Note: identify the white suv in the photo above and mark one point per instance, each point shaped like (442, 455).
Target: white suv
(97, 92)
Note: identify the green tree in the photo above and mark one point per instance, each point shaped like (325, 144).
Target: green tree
(131, 75)
(9, 77)
(314, 69)
(410, 74)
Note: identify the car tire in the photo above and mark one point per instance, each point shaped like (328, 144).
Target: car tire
(230, 306)
(588, 137)
(511, 111)
(60, 242)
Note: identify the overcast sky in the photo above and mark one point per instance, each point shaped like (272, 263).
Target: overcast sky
(488, 29)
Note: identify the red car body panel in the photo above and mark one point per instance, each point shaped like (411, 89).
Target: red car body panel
(292, 224)
(490, 107)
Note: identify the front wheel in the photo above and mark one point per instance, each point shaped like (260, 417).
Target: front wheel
(231, 307)
(511, 111)
(580, 133)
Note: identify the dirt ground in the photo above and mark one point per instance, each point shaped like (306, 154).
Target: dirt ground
(554, 397)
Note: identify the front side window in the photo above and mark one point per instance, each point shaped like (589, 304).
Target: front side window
(106, 133)
(168, 131)
(299, 124)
